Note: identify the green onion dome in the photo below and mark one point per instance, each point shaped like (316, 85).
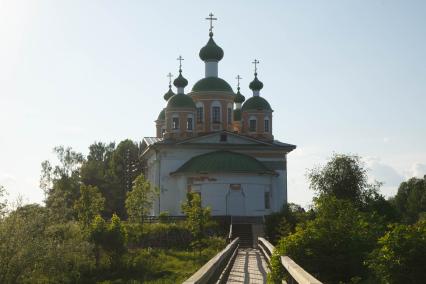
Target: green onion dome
(169, 94)
(256, 103)
(237, 115)
(162, 115)
(211, 51)
(256, 85)
(239, 98)
(212, 84)
(180, 101)
(180, 81)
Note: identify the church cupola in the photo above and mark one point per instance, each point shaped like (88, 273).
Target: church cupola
(256, 85)
(257, 112)
(180, 82)
(169, 93)
(180, 110)
(211, 53)
(239, 98)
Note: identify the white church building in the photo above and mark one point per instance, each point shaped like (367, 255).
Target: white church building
(212, 141)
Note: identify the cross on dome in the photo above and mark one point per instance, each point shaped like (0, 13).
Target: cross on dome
(211, 19)
(255, 62)
(170, 76)
(180, 58)
(238, 80)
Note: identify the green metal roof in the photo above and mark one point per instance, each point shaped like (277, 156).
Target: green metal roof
(239, 98)
(224, 162)
(212, 84)
(180, 101)
(256, 85)
(169, 94)
(162, 115)
(211, 51)
(256, 103)
(180, 81)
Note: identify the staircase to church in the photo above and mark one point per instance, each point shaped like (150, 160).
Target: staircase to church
(245, 233)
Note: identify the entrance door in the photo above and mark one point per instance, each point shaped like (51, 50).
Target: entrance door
(236, 202)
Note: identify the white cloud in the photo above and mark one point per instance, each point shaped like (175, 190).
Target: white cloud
(417, 170)
(389, 176)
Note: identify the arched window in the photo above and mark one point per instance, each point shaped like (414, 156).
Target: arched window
(252, 124)
(189, 122)
(175, 122)
(216, 112)
(266, 127)
(200, 112)
(229, 114)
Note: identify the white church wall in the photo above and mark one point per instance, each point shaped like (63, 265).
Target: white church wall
(215, 192)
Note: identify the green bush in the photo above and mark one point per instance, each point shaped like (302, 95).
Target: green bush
(400, 255)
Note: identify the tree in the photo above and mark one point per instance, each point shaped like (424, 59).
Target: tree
(400, 256)
(345, 177)
(3, 202)
(112, 169)
(98, 229)
(197, 217)
(410, 200)
(283, 223)
(61, 183)
(125, 167)
(139, 201)
(90, 204)
(335, 244)
(96, 171)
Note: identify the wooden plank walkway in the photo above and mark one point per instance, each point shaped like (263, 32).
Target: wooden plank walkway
(249, 267)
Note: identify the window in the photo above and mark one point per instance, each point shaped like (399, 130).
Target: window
(200, 114)
(252, 125)
(216, 114)
(223, 137)
(229, 115)
(266, 125)
(162, 132)
(189, 123)
(175, 123)
(267, 200)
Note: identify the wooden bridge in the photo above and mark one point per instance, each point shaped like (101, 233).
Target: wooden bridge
(246, 260)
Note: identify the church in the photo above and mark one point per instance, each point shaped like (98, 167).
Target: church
(214, 142)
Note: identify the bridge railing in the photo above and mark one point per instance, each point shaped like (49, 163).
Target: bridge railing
(297, 274)
(217, 268)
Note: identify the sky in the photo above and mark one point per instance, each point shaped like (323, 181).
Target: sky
(342, 77)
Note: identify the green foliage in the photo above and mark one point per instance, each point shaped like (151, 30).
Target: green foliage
(283, 223)
(164, 215)
(277, 270)
(139, 201)
(197, 217)
(61, 183)
(344, 177)
(33, 249)
(410, 200)
(3, 202)
(90, 204)
(334, 244)
(400, 257)
(112, 169)
(160, 235)
(111, 237)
